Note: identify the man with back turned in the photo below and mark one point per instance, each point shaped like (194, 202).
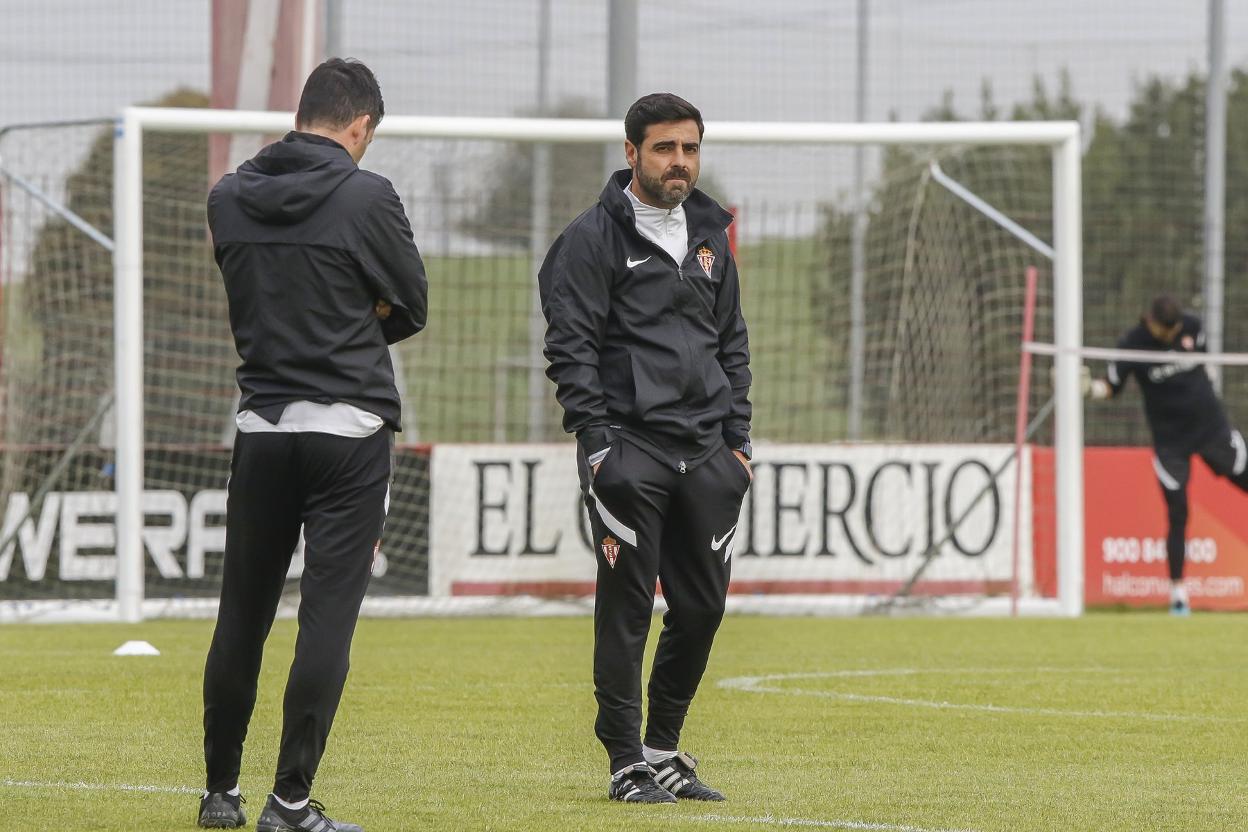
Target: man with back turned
(322, 275)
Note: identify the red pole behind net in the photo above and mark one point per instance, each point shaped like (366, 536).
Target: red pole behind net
(1020, 425)
(732, 230)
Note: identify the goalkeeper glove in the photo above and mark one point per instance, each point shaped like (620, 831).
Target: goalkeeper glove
(1091, 388)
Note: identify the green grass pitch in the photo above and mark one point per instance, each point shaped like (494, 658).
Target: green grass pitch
(1111, 722)
(480, 307)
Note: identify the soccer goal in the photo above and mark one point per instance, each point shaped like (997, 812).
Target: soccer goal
(901, 461)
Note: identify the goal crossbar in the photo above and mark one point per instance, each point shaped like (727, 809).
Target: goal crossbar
(1050, 133)
(1061, 137)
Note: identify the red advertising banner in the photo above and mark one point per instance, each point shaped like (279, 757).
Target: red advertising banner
(1125, 534)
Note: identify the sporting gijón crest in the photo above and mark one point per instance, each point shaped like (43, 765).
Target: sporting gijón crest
(706, 259)
(610, 550)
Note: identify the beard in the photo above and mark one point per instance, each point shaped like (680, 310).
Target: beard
(667, 191)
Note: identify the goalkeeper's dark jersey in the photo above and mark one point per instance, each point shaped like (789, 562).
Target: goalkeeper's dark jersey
(1182, 408)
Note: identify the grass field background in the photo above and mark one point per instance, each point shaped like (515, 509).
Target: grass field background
(1111, 722)
(480, 308)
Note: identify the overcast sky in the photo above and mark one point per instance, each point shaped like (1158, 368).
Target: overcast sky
(737, 59)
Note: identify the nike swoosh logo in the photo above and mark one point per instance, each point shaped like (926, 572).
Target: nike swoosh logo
(632, 264)
(715, 544)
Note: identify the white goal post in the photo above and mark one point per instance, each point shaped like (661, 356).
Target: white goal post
(1061, 138)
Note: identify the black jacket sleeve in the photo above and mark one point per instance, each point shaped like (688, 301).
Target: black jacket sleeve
(734, 354)
(1117, 372)
(393, 266)
(575, 290)
(1198, 334)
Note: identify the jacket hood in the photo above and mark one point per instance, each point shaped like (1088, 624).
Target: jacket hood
(286, 181)
(703, 215)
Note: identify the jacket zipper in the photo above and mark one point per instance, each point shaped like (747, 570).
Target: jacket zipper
(681, 466)
(684, 332)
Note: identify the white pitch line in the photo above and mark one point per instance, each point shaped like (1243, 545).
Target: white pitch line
(768, 820)
(97, 787)
(757, 684)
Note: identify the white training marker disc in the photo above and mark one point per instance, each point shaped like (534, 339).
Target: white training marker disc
(136, 648)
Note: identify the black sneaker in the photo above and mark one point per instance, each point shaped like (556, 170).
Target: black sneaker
(635, 784)
(218, 810)
(677, 776)
(311, 818)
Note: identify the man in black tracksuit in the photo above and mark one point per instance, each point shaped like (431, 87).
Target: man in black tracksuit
(322, 274)
(648, 349)
(1184, 414)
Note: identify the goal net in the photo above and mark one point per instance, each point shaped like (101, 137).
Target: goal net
(885, 322)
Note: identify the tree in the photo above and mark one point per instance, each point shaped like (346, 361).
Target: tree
(506, 197)
(576, 180)
(1142, 210)
(62, 371)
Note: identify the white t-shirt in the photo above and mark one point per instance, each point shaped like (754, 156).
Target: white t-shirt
(339, 419)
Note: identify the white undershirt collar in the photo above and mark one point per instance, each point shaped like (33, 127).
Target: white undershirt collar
(664, 227)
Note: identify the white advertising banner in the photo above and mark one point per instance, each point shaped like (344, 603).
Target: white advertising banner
(510, 519)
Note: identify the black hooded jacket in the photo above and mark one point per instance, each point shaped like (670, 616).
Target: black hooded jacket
(308, 243)
(640, 345)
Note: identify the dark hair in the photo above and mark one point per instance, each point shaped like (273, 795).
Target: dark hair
(657, 108)
(337, 93)
(1165, 310)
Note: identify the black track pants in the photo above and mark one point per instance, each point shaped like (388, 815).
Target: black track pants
(336, 489)
(1225, 454)
(651, 522)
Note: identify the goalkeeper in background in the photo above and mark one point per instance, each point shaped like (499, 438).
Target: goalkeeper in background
(1184, 414)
